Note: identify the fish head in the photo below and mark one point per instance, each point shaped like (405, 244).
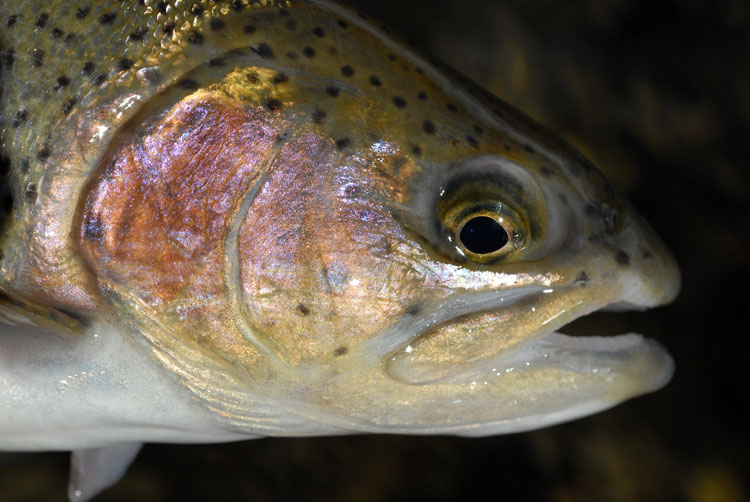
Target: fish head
(372, 251)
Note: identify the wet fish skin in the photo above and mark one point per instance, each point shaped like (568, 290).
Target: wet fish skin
(264, 199)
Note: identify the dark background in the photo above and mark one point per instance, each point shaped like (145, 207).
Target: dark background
(657, 94)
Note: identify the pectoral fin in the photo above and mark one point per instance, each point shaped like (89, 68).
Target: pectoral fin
(96, 469)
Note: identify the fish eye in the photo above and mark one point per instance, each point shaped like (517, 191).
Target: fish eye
(482, 235)
(485, 212)
(484, 231)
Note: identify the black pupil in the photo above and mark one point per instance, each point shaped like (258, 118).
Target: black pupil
(483, 235)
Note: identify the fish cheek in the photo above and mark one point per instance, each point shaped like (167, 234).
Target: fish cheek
(153, 225)
(320, 271)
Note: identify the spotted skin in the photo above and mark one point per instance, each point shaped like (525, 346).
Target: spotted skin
(50, 98)
(248, 188)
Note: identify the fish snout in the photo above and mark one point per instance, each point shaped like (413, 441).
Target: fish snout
(651, 274)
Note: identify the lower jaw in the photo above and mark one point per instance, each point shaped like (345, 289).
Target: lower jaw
(628, 361)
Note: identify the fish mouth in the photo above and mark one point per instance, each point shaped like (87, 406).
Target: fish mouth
(547, 378)
(643, 361)
(557, 378)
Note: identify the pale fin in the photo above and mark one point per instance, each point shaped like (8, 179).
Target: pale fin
(95, 469)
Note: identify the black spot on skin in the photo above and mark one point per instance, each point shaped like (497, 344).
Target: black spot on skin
(7, 58)
(347, 71)
(622, 258)
(392, 57)
(479, 131)
(273, 104)
(11, 21)
(196, 9)
(62, 81)
(318, 32)
(375, 81)
(168, 27)
(428, 127)
(249, 29)
(23, 165)
(308, 52)
(280, 78)
(41, 20)
(6, 196)
(216, 62)
(82, 12)
(451, 107)
(595, 238)
(107, 18)
(318, 116)
(188, 84)
(138, 34)
(237, 5)
(19, 118)
(609, 190)
(332, 91)
(30, 193)
(419, 70)
(37, 59)
(56, 33)
(216, 24)
(280, 138)
(414, 310)
(647, 255)
(343, 143)
(195, 38)
(161, 7)
(99, 79)
(581, 279)
(124, 64)
(340, 351)
(472, 141)
(547, 172)
(4, 170)
(284, 12)
(290, 24)
(422, 96)
(416, 150)
(43, 154)
(263, 50)
(399, 163)
(302, 309)
(528, 148)
(69, 38)
(68, 105)
(343, 24)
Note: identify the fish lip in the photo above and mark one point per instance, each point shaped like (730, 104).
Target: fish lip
(603, 355)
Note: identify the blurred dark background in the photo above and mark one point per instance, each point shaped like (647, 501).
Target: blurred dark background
(656, 93)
